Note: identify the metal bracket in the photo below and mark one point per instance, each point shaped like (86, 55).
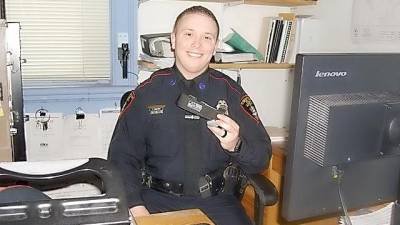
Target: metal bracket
(142, 1)
(239, 77)
(1, 92)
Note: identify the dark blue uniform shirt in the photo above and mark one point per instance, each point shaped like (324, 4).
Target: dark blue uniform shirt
(172, 144)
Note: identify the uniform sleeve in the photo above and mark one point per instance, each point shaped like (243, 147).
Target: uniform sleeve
(255, 151)
(127, 149)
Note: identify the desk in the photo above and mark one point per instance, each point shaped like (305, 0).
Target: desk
(182, 217)
(275, 173)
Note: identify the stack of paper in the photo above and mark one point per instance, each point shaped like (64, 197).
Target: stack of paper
(378, 217)
(227, 57)
(158, 61)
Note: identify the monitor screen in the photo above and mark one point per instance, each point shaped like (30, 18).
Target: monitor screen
(344, 132)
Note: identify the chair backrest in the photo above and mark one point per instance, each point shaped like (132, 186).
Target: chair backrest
(124, 98)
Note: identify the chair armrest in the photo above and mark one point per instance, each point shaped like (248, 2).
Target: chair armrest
(95, 171)
(264, 188)
(265, 195)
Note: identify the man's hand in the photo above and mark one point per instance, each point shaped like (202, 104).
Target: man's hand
(227, 132)
(138, 211)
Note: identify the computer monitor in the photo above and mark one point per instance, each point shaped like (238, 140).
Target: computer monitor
(344, 130)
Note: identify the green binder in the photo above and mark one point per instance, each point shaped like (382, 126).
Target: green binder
(240, 44)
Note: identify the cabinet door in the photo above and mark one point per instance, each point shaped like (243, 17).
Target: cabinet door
(5, 138)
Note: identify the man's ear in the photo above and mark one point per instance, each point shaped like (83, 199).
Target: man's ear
(216, 46)
(173, 40)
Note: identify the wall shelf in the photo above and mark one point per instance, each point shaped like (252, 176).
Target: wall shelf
(264, 2)
(251, 66)
(281, 2)
(148, 66)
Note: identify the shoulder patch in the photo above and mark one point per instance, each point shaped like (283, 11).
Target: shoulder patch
(158, 73)
(249, 107)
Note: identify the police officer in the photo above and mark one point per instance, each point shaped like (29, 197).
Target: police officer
(170, 148)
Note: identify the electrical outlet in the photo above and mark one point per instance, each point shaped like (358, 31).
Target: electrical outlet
(122, 38)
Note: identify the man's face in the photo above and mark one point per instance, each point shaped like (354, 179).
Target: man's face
(194, 41)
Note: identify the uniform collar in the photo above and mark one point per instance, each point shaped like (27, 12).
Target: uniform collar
(201, 80)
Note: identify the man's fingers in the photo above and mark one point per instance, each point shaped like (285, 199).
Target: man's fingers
(224, 118)
(227, 122)
(218, 131)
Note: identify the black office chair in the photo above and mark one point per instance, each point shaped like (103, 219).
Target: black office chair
(265, 195)
(124, 98)
(265, 191)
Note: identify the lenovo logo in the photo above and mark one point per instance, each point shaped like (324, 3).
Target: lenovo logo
(330, 74)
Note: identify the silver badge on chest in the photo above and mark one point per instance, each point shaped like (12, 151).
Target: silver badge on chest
(222, 106)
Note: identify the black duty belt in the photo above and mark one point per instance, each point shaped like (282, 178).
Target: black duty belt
(164, 186)
(227, 180)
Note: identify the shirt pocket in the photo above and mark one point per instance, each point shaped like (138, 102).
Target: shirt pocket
(163, 135)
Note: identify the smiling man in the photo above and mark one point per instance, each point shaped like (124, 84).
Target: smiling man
(165, 153)
(194, 40)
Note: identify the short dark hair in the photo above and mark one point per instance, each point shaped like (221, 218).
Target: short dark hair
(197, 10)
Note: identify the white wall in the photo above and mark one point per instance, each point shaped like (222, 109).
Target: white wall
(271, 91)
(330, 31)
